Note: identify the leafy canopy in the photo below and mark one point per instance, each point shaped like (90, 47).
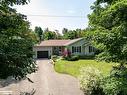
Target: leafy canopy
(16, 42)
(14, 2)
(39, 33)
(109, 29)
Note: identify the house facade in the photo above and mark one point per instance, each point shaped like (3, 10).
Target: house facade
(48, 48)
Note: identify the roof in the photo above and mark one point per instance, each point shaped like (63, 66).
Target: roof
(73, 41)
(58, 42)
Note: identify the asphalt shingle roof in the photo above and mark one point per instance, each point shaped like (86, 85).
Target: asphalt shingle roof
(58, 42)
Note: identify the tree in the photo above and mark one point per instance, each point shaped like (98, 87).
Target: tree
(14, 2)
(72, 34)
(39, 33)
(69, 34)
(16, 42)
(79, 33)
(49, 35)
(108, 24)
(65, 30)
(58, 35)
(46, 30)
(109, 29)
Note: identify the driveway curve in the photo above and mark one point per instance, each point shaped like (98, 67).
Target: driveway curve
(47, 82)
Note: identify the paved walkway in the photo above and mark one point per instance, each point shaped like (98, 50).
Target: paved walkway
(46, 82)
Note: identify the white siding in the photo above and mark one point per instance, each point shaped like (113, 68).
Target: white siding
(84, 47)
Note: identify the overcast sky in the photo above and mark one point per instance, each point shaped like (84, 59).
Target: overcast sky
(50, 13)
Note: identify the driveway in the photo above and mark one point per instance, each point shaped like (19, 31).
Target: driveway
(46, 82)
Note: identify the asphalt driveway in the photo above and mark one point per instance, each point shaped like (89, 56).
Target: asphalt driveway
(46, 82)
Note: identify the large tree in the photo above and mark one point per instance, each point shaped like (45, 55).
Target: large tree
(108, 23)
(50, 35)
(58, 35)
(16, 42)
(39, 32)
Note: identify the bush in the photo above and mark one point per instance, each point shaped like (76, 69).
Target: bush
(54, 57)
(116, 83)
(90, 81)
(111, 86)
(87, 56)
(72, 58)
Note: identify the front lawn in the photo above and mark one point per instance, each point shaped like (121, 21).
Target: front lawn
(73, 67)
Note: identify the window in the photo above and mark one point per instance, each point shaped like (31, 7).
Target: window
(76, 49)
(91, 49)
(73, 49)
(80, 49)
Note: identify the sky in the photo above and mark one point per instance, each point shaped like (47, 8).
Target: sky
(57, 14)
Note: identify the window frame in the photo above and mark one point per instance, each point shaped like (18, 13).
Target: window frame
(76, 49)
(91, 49)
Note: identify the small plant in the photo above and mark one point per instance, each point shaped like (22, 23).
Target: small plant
(90, 81)
(54, 57)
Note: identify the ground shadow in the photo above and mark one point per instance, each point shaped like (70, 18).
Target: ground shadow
(28, 93)
(8, 81)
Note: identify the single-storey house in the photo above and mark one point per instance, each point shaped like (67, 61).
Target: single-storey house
(77, 46)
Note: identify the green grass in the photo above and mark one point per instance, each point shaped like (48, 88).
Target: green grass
(73, 67)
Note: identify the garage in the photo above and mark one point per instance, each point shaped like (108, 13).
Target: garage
(42, 54)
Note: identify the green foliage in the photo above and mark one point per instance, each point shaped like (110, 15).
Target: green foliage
(46, 34)
(111, 86)
(49, 35)
(109, 26)
(54, 57)
(116, 83)
(72, 34)
(14, 2)
(93, 83)
(107, 1)
(90, 81)
(64, 31)
(87, 57)
(109, 33)
(72, 58)
(16, 43)
(39, 33)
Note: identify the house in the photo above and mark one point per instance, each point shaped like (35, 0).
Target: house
(56, 47)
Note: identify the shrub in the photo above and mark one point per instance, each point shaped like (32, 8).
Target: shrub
(90, 80)
(111, 86)
(87, 56)
(116, 83)
(54, 57)
(92, 83)
(72, 58)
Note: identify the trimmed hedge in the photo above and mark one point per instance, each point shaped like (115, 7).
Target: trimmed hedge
(72, 58)
(87, 57)
(76, 57)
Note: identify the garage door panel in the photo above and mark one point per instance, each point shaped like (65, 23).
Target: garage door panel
(42, 54)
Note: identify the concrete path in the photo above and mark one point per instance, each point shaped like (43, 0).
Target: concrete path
(46, 82)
